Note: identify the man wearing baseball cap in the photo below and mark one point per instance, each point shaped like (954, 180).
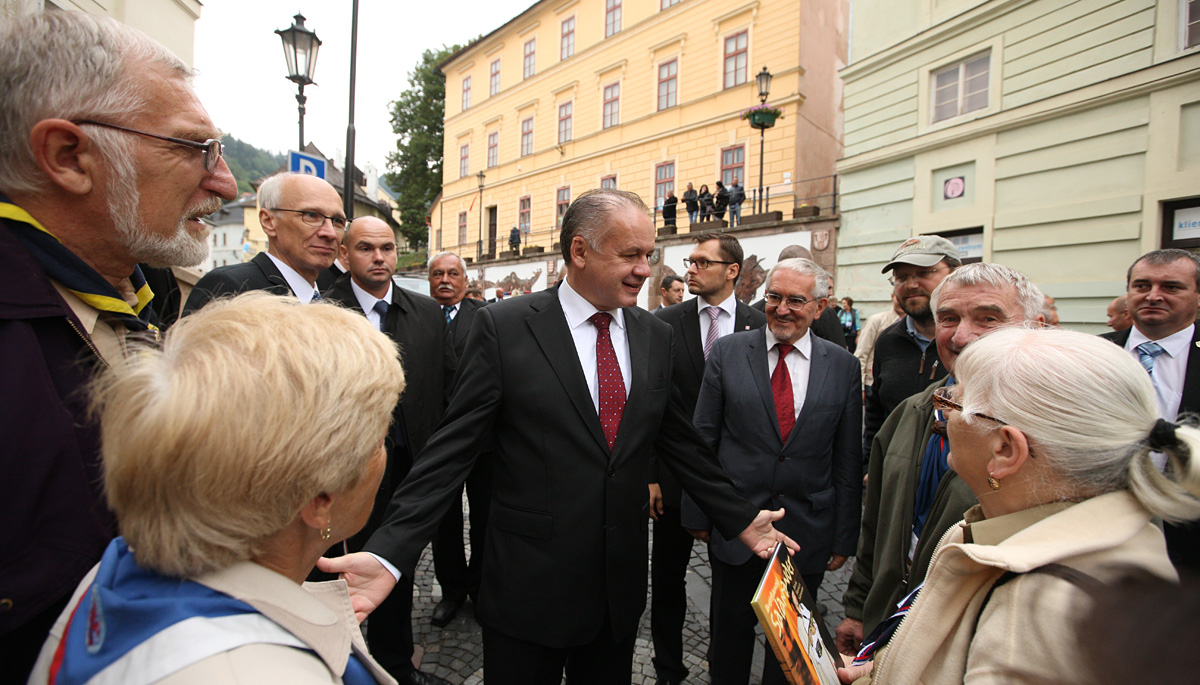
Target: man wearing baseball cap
(906, 357)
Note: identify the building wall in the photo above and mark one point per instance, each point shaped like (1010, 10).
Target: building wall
(1065, 168)
(691, 134)
(170, 22)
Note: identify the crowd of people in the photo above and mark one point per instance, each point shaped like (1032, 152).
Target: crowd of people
(706, 205)
(223, 487)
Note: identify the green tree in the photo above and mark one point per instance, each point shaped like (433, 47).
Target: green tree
(415, 167)
(249, 163)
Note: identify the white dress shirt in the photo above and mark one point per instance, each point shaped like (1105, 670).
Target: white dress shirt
(799, 362)
(1170, 371)
(577, 311)
(724, 321)
(300, 287)
(367, 301)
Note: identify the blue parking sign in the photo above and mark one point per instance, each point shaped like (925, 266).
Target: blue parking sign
(306, 164)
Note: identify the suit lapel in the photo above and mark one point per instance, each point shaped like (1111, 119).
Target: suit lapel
(1189, 400)
(741, 320)
(760, 371)
(818, 369)
(271, 273)
(691, 335)
(638, 338)
(396, 313)
(549, 327)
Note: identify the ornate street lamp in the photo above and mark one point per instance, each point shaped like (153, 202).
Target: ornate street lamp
(480, 176)
(764, 89)
(300, 47)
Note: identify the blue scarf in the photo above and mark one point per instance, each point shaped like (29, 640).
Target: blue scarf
(933, 467)
(65, 267)
(129, 607)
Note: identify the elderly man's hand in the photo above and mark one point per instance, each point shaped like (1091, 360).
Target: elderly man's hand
(760, 536)
(849, 636)
(370, 582)
(702, 535)
(656, 501)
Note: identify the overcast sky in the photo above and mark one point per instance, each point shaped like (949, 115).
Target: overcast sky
(242, 77)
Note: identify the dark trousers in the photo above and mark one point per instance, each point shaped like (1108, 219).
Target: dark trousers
(389, 631)
(732, 621)
(457, 577)
(670, 553)
(603, 661)
(19, 649)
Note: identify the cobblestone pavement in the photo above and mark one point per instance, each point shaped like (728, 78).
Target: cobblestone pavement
(456, 651)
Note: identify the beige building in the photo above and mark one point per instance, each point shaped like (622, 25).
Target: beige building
(170, 22)
(641, 95)
(1061, 139)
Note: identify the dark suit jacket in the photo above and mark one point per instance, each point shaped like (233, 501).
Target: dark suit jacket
(566, 539)
(259, 273)
(328, 277)
(1190, 401)
(828, 327)
(816, 476)
(684, 318)
(460, 325)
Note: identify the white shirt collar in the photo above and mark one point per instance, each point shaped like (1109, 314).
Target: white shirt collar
(729, 306)
(578, 310)
(1173, 344)
(365, 299)
(803, 345)
(300, 287)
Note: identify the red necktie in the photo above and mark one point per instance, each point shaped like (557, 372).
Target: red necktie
(612, 384)
(781, 390)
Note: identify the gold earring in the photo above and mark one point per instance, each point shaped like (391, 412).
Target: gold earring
(993, 483)
(325, 534)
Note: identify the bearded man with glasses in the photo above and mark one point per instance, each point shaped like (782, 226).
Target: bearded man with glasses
(913, 497)
(304, 222)
(106, 163)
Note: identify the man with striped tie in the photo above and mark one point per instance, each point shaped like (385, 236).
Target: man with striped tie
(1163, 294)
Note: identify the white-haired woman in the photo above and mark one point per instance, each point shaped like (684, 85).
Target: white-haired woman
(233, 458)
(1052, 430)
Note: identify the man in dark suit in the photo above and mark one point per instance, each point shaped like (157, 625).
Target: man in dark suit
(326, 278)
(783, 410)
(448, 285)
(544, 380)
(827, 326)
(713, 269)
(1163, 294)
(417, 325)
(303, 219)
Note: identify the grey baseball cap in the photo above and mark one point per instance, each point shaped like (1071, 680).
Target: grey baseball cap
(924, 250)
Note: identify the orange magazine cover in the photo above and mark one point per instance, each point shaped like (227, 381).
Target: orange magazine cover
(789, 618)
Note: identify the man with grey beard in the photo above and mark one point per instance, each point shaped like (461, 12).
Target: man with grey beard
(105, 163)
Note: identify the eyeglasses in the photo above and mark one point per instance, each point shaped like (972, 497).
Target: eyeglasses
(922, 275)
(315, 219)
(793, 302)
(703, 264)
(211, 149)
(942, 400)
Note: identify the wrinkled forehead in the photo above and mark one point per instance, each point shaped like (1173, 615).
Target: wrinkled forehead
(974, 300)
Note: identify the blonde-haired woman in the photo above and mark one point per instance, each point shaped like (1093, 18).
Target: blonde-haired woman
(1052, 430)
(233, 458)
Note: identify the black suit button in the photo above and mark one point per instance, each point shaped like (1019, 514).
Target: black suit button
(781, 457)
(777, 495)
(612, 473)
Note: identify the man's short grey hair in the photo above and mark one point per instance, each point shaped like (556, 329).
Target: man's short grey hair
(587, 215)
(69, 65)
(804, 267)
(1029, 296)
(271, 190)
(1163, 258)
(462, 264)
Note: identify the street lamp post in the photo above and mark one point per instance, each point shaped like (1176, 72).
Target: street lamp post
(300, 47)
(480, 176)
(764, 89)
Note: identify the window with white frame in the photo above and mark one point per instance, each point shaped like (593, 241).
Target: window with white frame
(735, 59)
(1190, 16)
(493, 156)
(564, 121)
(462, 228)
(612, 17)
(667, 3)
(527, 69)
(494, 80)
(668, 84)
(664, 180)
(961, 87)
(562, 200)
(612, 105)
(732, 161)
(527, 137)
(464, 159)
(466, 96)
(609, 182)
(568, 39)
(523, 213)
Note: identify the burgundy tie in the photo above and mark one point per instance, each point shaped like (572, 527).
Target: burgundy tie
(612, 384)
(781, 390)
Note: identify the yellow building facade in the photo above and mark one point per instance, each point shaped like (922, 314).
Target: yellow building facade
(642, 95)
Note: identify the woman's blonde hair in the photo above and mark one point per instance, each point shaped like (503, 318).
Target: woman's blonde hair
(1088, 408)
(253, 406)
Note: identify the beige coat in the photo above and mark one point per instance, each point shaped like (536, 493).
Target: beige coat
(1029, 628)
(319, 614)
